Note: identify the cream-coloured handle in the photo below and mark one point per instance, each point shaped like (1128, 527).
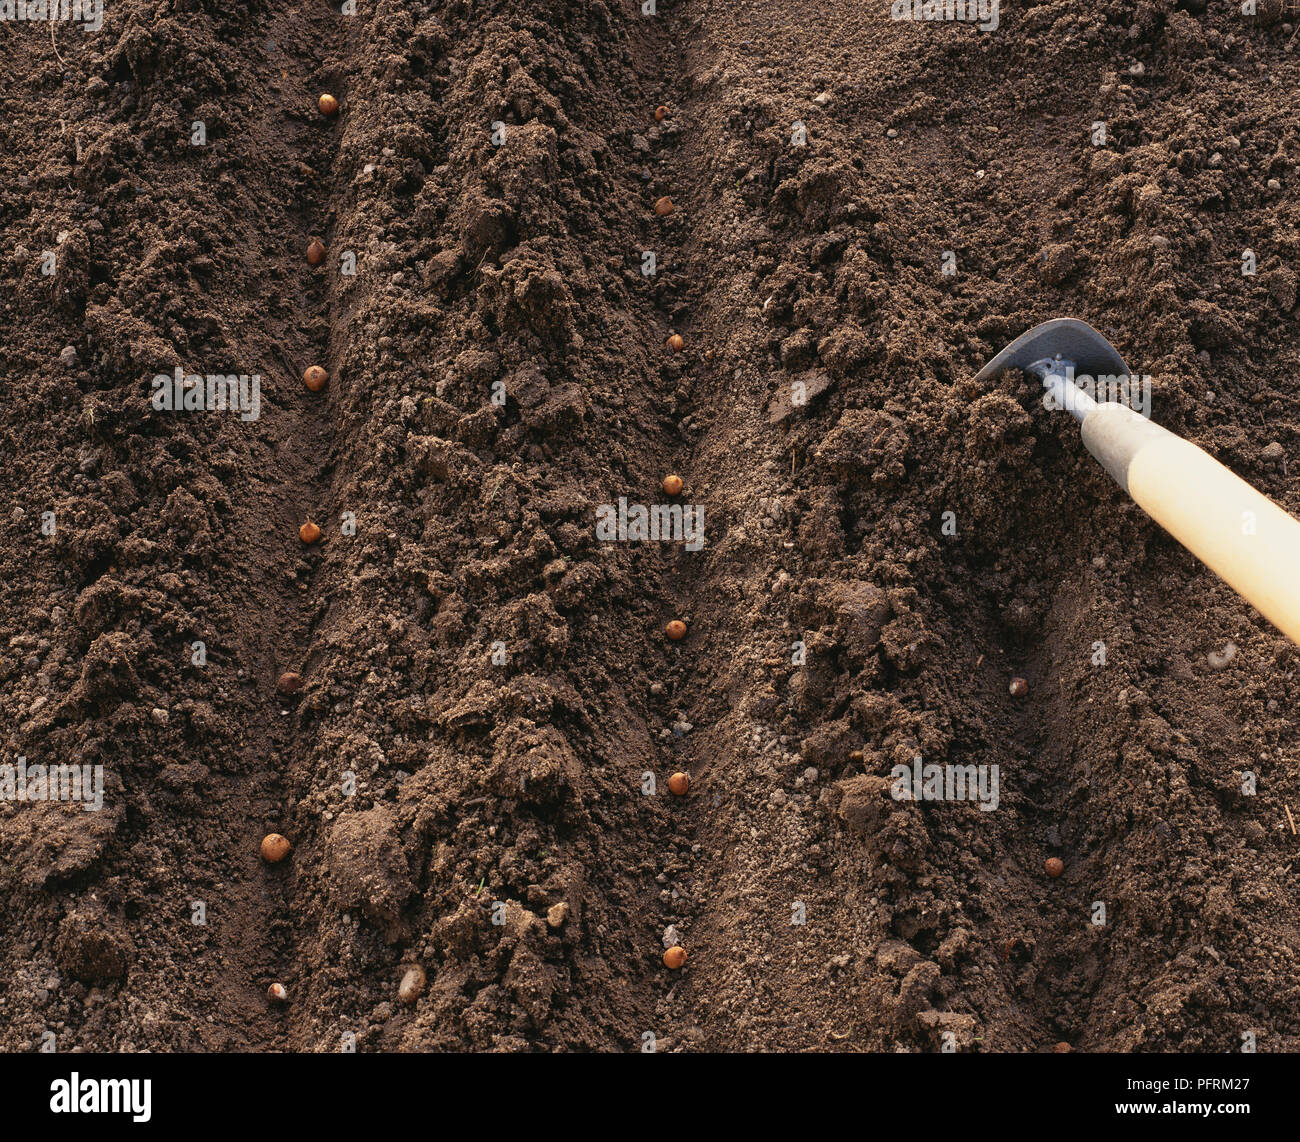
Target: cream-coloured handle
(1241, 535)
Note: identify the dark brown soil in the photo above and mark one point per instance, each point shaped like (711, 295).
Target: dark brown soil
(488, 693)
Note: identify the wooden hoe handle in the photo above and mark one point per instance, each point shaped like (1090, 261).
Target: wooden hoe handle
(1240, 534)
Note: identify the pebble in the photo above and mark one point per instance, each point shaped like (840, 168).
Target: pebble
(1218, 660)
(556, 914)
(68, 358)
(412, 985)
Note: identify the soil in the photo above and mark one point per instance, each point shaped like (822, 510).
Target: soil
(473, 775)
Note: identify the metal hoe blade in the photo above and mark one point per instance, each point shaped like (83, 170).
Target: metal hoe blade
(1056, 351)
(1073, 341)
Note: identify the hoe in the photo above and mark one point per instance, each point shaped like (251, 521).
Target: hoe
(1240, 534)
